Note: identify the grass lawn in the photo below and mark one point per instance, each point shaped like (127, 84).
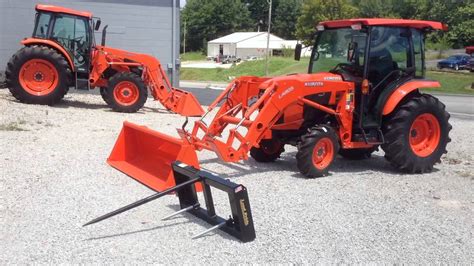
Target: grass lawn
(192, 56)
(450, 82)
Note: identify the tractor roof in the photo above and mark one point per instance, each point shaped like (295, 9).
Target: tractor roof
(418, 24)
(59, 9)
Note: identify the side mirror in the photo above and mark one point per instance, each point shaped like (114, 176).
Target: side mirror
(298, 48)
(97, 25)
(104, 34)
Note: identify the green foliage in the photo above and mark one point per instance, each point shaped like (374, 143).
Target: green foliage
(193, 56)
(286, 15)
(287, 51)
(210, 19)
(259, 12)
(315, 11)
(451, 82)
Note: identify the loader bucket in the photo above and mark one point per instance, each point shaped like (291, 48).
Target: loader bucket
(183, 103)
(147, 155)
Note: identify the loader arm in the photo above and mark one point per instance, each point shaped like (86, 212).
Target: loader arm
(255, 105)
(173, 99)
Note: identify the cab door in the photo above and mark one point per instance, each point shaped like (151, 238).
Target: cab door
(74, 35)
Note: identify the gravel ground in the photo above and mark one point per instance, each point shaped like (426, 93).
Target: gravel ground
(54, 179)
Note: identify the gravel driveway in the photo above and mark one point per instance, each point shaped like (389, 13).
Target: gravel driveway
(54, 179)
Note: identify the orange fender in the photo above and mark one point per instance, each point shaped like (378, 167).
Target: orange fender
(31, 41)
(404, 90)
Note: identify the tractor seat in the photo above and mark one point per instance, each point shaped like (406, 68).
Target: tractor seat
(381, 64)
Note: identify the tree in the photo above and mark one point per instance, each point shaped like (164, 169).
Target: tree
(259, 12)
(209, 19)
(315, 11)
(286, 16)
(463, 28)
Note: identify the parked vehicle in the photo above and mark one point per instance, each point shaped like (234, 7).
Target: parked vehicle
(470, 50)
(228, 59)
(455, 62)
(251, 58)
(470, 65)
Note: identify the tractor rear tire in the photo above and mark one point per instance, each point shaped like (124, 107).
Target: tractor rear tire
(269, 151)
(317, 151)
(416, 134)
(38, 75)
(357, 154)
(126, 92)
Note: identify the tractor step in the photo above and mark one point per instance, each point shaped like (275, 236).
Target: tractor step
(239, 224)
(372, 136)
(82, 84)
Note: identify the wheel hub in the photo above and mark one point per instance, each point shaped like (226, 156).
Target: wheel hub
(38, 77)
(425, 135)
(323, 153)
(126, 93)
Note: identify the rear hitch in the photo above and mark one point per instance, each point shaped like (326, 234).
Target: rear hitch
(240, 222)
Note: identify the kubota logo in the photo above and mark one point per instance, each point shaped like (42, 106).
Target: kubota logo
(285, 92)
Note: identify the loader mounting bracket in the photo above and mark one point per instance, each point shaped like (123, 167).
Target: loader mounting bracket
(239, 224)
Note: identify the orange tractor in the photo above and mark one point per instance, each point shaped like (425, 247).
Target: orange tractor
(62, 53)
(362, 91)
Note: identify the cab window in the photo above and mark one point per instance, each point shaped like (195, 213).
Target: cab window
(42, 25)
(71, 33)
(417, 37)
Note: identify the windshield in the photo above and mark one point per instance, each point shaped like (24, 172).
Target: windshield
(333, 46)
(455, 57)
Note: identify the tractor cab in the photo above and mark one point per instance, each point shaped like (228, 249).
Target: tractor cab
(378, 55)
(69, 28)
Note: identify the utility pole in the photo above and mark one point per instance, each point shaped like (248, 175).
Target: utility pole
(268, 35)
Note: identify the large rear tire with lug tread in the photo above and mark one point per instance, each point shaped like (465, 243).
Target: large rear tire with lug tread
(416, 134)
(38, 75)
(126, 92)
(269, 151)
(317, 151)
(357, 154)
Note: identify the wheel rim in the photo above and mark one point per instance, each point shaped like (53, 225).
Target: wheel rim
(126, 93)
(425, 134)
(38, 77)
(323, 153)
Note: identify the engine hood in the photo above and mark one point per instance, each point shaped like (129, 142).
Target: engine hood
(309, 80)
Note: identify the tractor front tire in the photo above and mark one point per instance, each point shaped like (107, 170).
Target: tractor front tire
(416, 134)
(317, 151)
(38, 75)
(269, 151)
(103, 93)
(126, 92)
(357, 154)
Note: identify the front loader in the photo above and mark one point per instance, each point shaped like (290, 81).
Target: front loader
(361, 92)
(62, 53)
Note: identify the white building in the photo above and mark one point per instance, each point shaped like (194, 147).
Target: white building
(243, 44)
